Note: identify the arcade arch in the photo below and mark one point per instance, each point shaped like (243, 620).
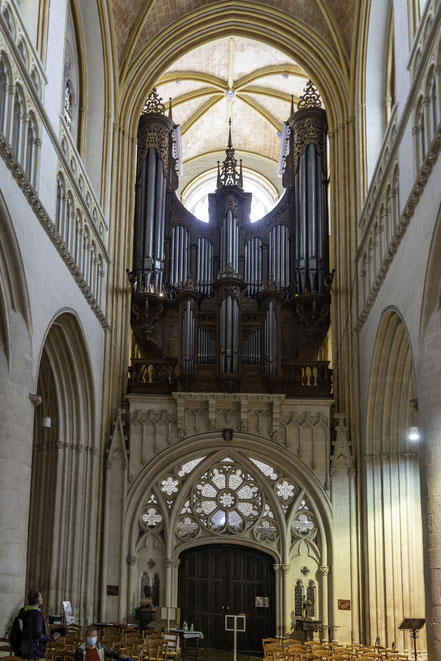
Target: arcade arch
(393, 527)
(64, 480)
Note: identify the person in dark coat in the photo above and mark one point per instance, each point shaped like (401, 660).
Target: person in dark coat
(34, 637)
(92, 650)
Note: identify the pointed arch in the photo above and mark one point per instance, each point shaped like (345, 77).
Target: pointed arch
(393, 524)
(14, 297)
(64, 482)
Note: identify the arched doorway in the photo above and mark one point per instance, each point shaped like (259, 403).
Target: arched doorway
(221, 579)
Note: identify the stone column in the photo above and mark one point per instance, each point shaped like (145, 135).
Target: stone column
(430, 462)
(286, 599)
(279, 602)
(324, 571)
(429, 421)
(174, 591)
(169, 571)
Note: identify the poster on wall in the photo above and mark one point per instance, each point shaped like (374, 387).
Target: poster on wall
(68, 614)
(344, 604)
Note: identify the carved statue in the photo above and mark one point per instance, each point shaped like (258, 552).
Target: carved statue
(307, 609)
(146, 589)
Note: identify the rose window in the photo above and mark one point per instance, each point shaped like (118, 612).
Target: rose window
(227, 499)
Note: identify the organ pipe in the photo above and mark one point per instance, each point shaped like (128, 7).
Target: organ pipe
(188, 326)
(229, 248)
(229, 336)
(180, 257)
(154, 136)
(216, 294)
(309, 130)
(253, 265)
(270, 340)
(204, 277)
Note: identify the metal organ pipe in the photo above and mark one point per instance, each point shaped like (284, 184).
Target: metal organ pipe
(188, 340)
(180, 257)
(229, 248)
(204, 266)
(270, 340)
(253, 265)
(311, 204)
(279, 256)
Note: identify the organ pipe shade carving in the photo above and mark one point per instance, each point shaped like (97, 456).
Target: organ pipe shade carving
(228, 175)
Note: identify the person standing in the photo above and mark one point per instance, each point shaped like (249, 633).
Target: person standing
(34, 637)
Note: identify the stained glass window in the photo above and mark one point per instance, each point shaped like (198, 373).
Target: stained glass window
(227, 499)
(151, 517)
(68, 105)
(170, 485)
(186, 527)
(189, 466)
(303, 525)
(266, 469)
(285, 490)
(298, 599)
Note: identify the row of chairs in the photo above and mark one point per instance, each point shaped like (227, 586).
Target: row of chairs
(135, 643)
(294, 650)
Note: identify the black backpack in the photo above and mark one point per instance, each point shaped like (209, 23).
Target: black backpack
(15, 635)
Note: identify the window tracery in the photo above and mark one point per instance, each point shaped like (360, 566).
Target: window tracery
(151, 517)
(304, 524)
(227, 499)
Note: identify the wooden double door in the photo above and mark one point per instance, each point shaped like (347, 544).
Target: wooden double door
(223, 579)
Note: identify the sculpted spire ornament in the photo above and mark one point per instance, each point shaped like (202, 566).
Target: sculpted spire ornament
(227, 175)
(310, 97)
(153, 104)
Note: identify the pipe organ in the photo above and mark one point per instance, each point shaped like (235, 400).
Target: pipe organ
(231, 305)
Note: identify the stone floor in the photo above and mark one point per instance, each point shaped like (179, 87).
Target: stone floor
(219, 655)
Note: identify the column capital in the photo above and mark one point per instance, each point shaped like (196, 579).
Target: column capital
(324, 570)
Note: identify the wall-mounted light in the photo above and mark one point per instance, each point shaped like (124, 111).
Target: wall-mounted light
(414, 434)
(47, 422)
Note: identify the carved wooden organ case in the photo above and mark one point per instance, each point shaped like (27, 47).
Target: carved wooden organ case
(231, 305)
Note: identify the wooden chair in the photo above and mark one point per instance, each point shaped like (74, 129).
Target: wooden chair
(156, 650)
(8, 649)
(172, 640)
(270, 649)
(269, 641)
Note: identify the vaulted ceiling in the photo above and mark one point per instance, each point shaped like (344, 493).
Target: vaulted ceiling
(232, 77)
(136, 22)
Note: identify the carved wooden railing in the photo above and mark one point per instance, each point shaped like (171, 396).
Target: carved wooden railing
(306, 379)
(299, 378)
(156, 376)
